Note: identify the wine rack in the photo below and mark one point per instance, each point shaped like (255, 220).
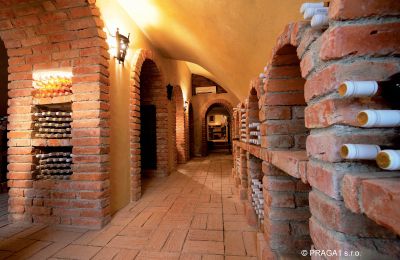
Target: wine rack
(255, 135)
(52, 83)
(257, 198)
(52, 122)
(53, 163)
(243, 136)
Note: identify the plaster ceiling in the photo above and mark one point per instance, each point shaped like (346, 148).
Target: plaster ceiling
(229, 41)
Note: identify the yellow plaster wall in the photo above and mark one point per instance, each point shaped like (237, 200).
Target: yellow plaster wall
(174, 72)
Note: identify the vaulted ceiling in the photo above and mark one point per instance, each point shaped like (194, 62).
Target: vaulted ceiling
(230, 41)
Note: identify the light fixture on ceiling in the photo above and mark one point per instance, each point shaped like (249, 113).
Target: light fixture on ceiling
(122, 46)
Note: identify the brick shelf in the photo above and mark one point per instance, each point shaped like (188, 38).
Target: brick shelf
(293, 163)
(377, 195)
(51, 142)
(52, 100)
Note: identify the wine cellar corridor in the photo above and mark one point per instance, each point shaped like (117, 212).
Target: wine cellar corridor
(187, 129)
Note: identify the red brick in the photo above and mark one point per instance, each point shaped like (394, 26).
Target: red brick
(360, 40)
(325, 178)
(32, 41)
(274, 99)
(277, 141)
(283, 127)
(351, 187)
(380, 200)
(79, 12)
(25, 21)
(335, 216)
(336, 111)
(12, 44)
(89, 42)
(27, 10)
(350, 10)
(63, 55)
(61, 4)
(328, 79)
(324, 238)
(53, 16)
(5, 25)
(288, 161)
(78, 24)
(297, 214)
(19, 68)
(326, 145)
(275, 183)
(279, 199)
(280, 85)
(19, 52)
(269, 170)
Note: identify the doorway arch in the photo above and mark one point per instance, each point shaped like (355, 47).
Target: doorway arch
(225, 104)
(148, 121)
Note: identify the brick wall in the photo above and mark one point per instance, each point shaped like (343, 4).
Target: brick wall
(49, 35)
(348, 205)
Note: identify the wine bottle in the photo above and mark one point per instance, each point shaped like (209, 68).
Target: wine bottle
(379, 118)
(319, 21)
(359, 151)
(389, 160)
(304, 6)
(311, 11)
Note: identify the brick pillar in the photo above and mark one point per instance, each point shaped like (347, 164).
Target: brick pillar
(52, 35)
(350, 49)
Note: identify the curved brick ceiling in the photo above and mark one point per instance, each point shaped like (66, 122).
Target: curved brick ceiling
(231, 39)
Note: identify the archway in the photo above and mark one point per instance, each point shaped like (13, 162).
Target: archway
(180, 125)
(3, 130)
(206, 108)
(153, 119)
(218, 129)
(149, 122)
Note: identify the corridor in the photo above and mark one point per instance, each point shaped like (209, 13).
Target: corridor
(192, 214)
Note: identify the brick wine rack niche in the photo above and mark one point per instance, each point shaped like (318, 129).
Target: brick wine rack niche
(312, 197)
(67, 182)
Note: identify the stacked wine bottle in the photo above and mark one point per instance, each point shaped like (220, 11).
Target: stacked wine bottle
(257, 197)
(53, 124)
(55, 165)
(243, 136)
(56, 84)
(255, 135)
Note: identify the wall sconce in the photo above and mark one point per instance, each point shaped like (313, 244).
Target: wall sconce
(185, 105)
(122, 46)
(169, 91)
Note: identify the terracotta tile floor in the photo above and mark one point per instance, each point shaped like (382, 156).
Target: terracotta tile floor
(192, 214)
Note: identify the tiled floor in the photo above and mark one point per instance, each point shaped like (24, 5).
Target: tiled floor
(192, 214)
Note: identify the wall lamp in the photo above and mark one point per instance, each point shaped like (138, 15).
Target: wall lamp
(122, 46)
(185, 105)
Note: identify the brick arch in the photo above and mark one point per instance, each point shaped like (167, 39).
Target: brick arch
(282, 102)
(50, 35)
(180, 126)
(140, 57)
(227, 105)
